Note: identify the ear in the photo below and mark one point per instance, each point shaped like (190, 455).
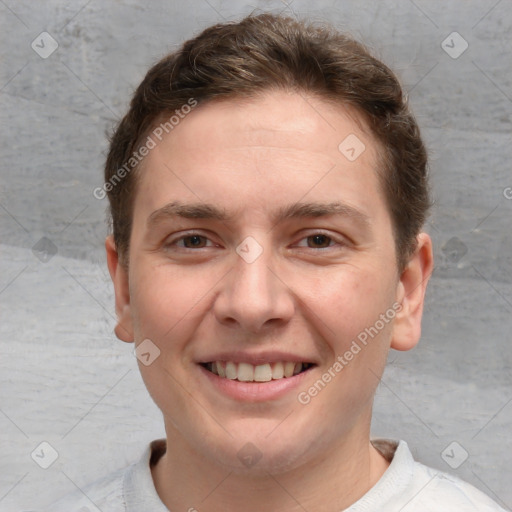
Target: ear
(119, 276)
(411, 295)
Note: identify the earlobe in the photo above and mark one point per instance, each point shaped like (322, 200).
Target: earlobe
(119, 276)
(411, 295)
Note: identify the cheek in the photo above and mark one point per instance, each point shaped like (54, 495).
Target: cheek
(167, 306)
(166, 299)
(344, 302)
(344, 309)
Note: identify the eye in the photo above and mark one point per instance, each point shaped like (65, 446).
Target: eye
(189, 241)
(317, 241)
(195, 241)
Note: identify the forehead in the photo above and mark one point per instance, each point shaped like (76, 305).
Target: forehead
(256, 152)
(278, 119)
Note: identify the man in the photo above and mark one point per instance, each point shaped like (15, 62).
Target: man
(268, 189)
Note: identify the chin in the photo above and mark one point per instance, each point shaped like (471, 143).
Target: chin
(257, 453)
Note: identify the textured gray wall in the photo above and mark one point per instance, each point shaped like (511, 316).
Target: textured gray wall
(64, 377)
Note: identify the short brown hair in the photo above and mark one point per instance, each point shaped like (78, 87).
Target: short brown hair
(268, 52)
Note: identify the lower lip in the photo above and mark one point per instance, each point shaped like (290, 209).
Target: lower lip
(255, 391)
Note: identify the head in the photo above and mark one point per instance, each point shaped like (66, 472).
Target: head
(269, 53)
(251, 139)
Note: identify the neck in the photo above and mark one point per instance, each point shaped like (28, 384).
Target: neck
(334, 480)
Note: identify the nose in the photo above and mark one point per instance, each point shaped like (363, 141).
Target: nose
(254, 297)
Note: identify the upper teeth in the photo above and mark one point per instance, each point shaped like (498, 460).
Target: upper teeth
(261, 373)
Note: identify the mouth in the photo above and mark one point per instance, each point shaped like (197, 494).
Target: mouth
(266, 372)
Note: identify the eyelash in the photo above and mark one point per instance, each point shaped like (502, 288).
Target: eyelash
(196, 234)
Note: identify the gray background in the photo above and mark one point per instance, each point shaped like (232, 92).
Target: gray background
(66, 380)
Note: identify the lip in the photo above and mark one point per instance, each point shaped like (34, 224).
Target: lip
(256, 358)
(255, 391)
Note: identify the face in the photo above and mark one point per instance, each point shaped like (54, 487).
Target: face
(258, 245)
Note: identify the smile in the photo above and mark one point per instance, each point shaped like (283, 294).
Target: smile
(245, 372)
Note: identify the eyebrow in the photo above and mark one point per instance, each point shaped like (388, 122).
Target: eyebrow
(296, 210)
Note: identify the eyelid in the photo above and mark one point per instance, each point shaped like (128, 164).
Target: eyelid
(173, 240)
(341, 241)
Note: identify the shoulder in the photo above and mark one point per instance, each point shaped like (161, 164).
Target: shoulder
(438, 489)
(410, 486)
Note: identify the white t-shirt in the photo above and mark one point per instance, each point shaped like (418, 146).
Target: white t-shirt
(406, 486)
